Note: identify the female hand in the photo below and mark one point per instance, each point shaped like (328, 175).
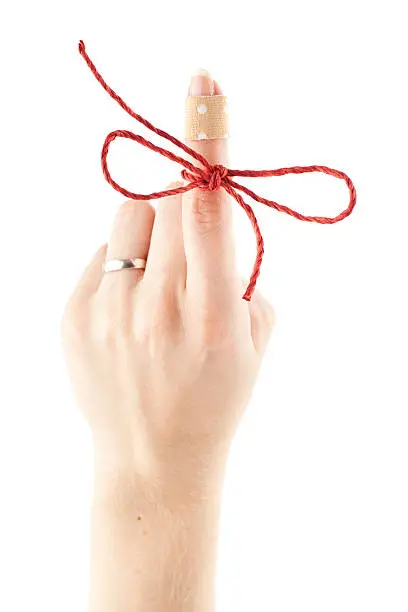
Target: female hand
(163, 361)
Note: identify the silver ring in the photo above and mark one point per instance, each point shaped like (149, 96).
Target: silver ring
(114, 265)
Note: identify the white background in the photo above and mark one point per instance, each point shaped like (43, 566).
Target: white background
(316, 504)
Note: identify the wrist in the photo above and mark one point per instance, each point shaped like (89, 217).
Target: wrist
(164, 475)
(171, 487)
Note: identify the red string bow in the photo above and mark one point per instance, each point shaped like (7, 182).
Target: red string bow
(210, 177)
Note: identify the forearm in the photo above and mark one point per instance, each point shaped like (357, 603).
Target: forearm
(153, 550)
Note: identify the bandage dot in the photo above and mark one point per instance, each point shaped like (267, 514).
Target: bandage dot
(201, 108)
(202, 136)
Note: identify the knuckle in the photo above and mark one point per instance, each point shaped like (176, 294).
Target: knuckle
(264, 310)
(111, 323)
(215, 330)
(269, 314)
(207, 211)
(156, 321)
(73, 325)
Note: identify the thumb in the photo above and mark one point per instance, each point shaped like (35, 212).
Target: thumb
(207, 215)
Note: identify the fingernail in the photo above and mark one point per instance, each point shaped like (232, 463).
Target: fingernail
(201, 83)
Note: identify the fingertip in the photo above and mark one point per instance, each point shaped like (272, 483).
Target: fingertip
(175, 184)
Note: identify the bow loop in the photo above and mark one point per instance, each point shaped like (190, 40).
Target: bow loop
(212, 177)
(196, 176)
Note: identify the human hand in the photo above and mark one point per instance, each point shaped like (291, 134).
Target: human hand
(163, 361)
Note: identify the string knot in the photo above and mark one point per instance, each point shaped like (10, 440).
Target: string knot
(206, 179)
(216, 175)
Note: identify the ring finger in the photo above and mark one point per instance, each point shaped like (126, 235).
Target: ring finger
(130, 239)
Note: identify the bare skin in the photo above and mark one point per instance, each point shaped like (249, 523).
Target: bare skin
(163, 362)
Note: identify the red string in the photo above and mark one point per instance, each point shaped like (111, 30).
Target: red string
(211, 177)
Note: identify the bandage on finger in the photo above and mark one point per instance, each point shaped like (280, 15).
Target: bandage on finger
(206, 117)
